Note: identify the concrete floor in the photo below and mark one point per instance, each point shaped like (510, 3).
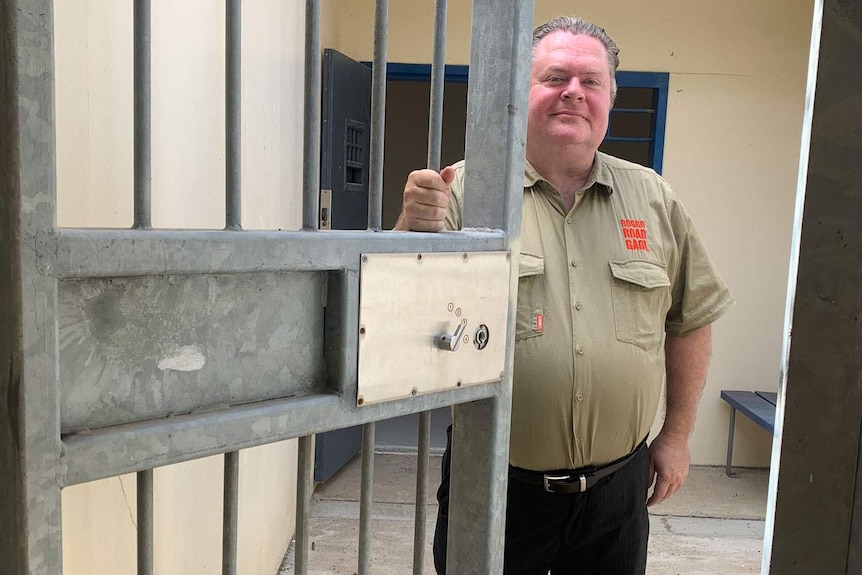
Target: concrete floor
(713, 525)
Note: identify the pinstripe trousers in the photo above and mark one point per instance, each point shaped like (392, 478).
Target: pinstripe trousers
(603, 531)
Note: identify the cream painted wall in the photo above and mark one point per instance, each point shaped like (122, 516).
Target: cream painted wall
(94, 155)
(737, 85)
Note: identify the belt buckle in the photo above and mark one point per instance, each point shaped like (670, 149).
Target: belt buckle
(582, 480)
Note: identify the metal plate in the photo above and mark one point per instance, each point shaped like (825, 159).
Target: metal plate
(138, 348)
(408, 300)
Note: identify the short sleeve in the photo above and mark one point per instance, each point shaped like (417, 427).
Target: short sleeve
(699, 294)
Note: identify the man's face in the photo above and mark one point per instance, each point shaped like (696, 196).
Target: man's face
(570, 93)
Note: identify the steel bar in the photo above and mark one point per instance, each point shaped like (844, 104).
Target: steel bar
(125, 449)
(496, 118)
(494, 154)
(145, 522)
(231, 512)
(304, 489)
(30, 504)
(366, 498)
(311, 129)
(142, 115)
(435, 142)
(233, 115)
(108, 253)
(438, 77)
(421, 521)
(378, 115)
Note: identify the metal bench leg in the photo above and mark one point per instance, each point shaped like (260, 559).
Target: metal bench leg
(730, 443)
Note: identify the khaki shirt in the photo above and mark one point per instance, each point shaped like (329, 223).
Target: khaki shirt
(599, 287)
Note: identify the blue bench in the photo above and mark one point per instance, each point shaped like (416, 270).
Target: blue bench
(758, 406)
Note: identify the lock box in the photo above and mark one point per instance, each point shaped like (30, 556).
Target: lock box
(431, 322)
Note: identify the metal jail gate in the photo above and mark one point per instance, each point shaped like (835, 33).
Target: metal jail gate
(92, 318)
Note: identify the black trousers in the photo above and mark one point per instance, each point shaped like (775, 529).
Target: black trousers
(603, 531)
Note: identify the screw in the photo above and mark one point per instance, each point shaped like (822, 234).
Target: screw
(365, 259)
(508, 255)
(464, 256)
(362, 330)
(360, 401)
(419, 257)
(458, 383)
(414, 391)
(451, 306)
(502, 374)
(458, 312)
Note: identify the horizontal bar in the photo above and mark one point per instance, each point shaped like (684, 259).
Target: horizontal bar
(134, 447)
(112, 253)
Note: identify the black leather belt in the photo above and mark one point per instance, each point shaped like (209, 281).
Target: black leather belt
(572, 480)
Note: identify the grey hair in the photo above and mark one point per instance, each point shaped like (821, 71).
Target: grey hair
(580, 27)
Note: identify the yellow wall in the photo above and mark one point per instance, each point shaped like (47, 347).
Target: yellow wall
(737, 86)
(94, 156)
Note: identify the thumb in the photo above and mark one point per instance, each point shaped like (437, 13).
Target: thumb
(448, 174)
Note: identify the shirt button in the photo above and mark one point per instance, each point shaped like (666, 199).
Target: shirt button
(568, 220)
(580, 397)
(574, 264)
(580, 350)
(578, 305)
(577, 441)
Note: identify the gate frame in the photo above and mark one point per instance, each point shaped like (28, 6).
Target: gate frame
(36, 462)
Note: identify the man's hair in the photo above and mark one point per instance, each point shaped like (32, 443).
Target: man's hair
(580, 27)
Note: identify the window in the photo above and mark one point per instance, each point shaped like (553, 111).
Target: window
(637, 122)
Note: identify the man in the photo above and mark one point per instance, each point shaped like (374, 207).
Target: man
(615, 290)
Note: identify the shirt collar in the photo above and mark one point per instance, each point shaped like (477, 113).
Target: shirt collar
(599, 174)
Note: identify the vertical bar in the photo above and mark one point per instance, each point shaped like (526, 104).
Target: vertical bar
(231, 512)
(233, 115)
(30, 519)
(435, 140)
(378, 115)
(438, 77)
(142, 111)
(421, 525)
(496, 116)
(822, 410)
(793, 273)
(311, 129)
(366, 497)
(145, 522)
(496, 133)
(304, 489)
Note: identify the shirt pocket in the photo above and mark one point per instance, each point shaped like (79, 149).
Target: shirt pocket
(530, 321)
(641, 297)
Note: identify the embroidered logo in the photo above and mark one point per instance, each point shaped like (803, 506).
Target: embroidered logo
(635, 234)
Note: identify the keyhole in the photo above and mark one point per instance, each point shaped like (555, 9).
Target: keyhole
(480, 338)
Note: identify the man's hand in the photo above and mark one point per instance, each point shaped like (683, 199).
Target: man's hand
(686, 362)
(669, 459)
(426, 200)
